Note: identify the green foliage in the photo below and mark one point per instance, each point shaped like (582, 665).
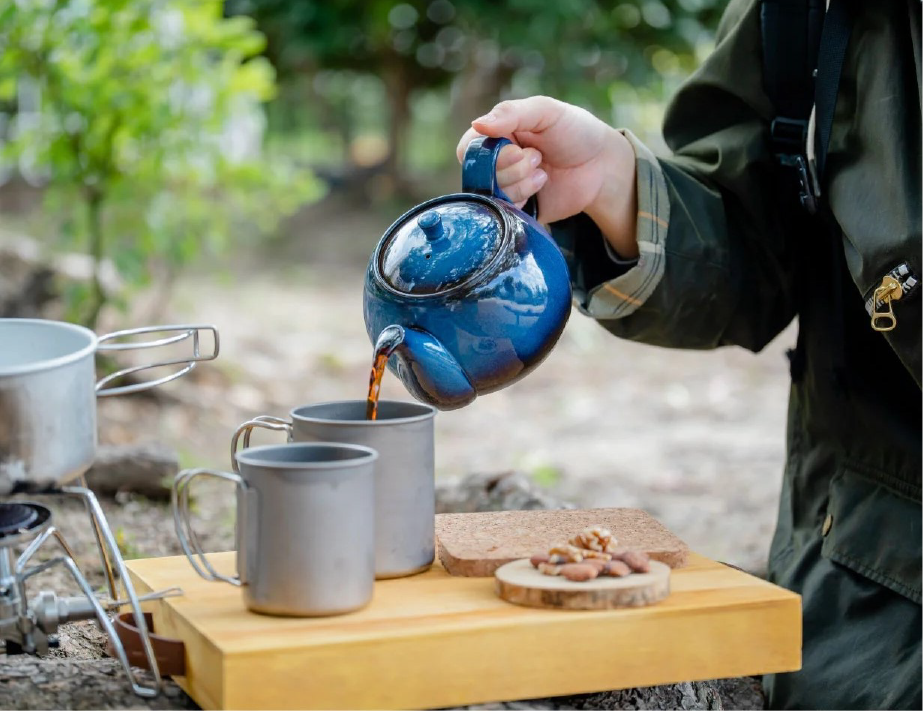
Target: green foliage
(126, 544)
(142, 128)
(546, 475)
(591, 53)
(571, 47)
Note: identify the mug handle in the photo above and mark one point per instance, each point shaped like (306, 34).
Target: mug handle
(183, 525)
(267, 422)
(479, 171)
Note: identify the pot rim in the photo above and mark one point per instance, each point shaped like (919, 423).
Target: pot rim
(428, 415)
(51, 363)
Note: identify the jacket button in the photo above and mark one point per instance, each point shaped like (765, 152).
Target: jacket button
(828, 524)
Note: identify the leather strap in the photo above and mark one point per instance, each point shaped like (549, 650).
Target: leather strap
(169, 653)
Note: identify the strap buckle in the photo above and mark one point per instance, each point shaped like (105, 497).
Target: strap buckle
(788, 141)
(788, 135)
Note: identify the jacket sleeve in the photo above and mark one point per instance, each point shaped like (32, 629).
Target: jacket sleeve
(715, 265)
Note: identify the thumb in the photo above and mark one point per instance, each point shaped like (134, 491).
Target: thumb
(532, 115)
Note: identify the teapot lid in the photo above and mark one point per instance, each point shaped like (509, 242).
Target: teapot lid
(440, 244)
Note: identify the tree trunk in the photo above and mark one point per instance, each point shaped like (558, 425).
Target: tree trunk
(475, 92)
(399, 87)
(97, 248)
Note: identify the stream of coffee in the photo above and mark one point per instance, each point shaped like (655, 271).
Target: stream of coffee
(388, 340)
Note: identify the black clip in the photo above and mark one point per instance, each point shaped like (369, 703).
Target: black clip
(788, 135)
(788, 142)
(805, 186)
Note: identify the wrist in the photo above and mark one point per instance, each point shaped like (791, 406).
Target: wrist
(615, 207)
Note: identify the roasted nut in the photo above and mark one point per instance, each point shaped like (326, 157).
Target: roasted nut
(638, 561)
(617, 569)
(572, 553)
(558, 559)
(595, 538)
(550, 568)
(598, 555)
(539, 558)
(579, 572)
(597, 563)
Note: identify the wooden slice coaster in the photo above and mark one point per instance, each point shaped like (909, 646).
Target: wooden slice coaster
(522, 584)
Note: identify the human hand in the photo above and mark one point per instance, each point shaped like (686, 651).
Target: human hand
(573, 160)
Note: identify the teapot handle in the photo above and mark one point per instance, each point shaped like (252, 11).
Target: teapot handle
(479, 171)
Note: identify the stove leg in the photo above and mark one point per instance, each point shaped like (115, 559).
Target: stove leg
(107, 566)
(105, 533)
(101, 615)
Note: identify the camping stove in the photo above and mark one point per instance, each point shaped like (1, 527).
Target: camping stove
(30, 625)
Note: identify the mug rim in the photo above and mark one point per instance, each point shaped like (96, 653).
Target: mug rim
(246, 456)
(428, 414)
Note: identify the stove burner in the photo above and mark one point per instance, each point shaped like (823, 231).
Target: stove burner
(16, 517)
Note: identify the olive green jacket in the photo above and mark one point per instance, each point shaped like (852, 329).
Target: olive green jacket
(728, 257)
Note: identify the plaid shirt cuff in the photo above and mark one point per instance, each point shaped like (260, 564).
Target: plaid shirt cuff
(622, 295)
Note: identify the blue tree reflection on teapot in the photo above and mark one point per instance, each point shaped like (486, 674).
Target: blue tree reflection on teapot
(479, 290)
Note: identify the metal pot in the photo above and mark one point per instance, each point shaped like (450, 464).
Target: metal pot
(48, 394)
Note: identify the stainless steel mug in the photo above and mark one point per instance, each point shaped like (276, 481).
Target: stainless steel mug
(305, 527)
(405, 497)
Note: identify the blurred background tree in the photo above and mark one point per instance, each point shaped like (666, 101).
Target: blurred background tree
(142, 121)
(447, 61)
(157, 133)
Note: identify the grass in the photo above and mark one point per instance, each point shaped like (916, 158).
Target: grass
(546, 476)
(127, 547)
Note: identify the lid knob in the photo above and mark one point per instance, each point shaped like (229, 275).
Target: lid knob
(431, 224)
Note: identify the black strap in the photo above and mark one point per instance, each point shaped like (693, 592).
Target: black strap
(833, 42)
(799, 35)
(791, 32)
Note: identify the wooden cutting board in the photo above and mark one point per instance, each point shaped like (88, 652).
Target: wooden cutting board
(520, 583)
(476, 544)
(435, 641)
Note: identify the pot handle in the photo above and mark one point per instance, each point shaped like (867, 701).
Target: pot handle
(179, 333)
(188, 539)
(479, 171)
(267, 422)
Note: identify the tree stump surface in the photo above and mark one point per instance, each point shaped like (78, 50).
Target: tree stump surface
(79, 675)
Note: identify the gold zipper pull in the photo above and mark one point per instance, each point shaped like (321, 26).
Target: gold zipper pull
(890, 290)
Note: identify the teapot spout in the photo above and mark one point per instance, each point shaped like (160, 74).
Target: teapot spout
(430, 373)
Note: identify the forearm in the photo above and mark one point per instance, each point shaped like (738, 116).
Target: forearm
(614, 209)
(711, 272)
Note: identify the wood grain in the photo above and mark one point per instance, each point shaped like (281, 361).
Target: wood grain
(520, 583)
(434, 640)
(476, 544)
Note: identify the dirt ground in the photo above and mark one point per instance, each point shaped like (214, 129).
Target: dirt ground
(695, 438)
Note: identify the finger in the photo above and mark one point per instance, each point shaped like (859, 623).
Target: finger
(462, 146)
(529, 160)
(507, 157)
(508, 154)
(527, 187)
(535, 114)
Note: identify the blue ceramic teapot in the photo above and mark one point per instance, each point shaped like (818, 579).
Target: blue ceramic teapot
(473, 292)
